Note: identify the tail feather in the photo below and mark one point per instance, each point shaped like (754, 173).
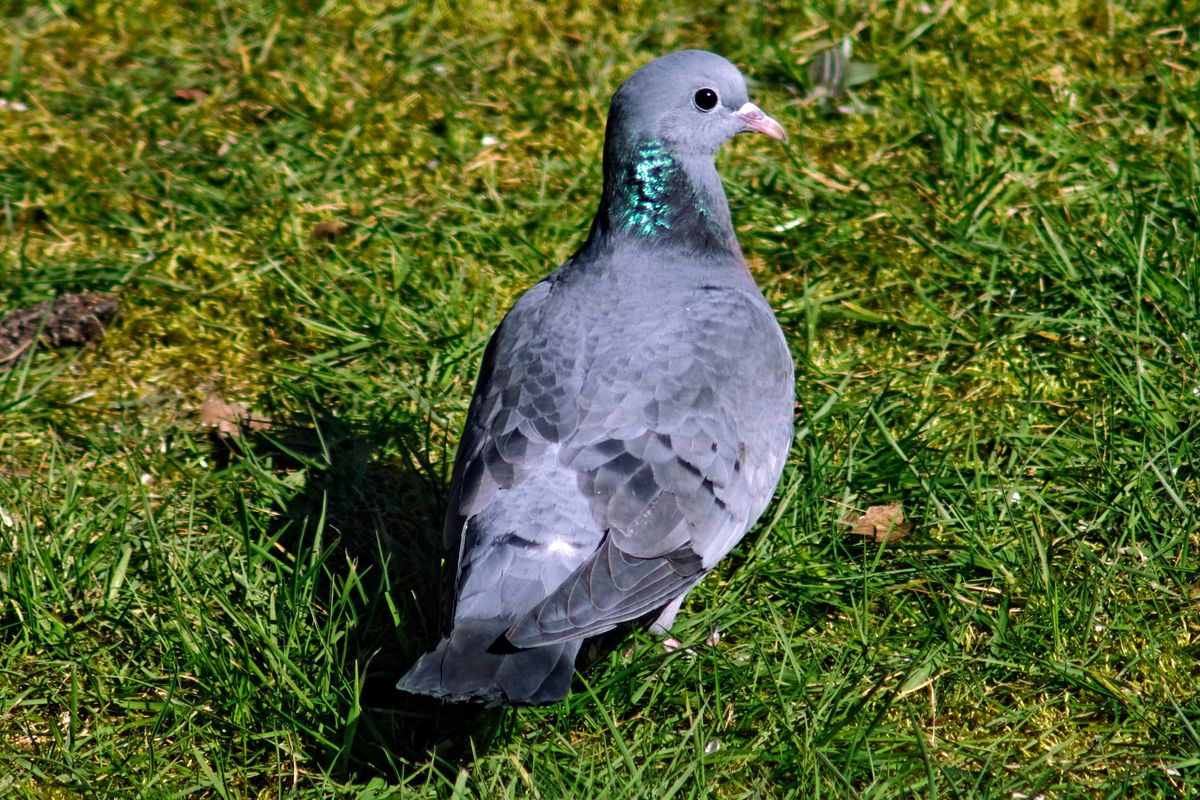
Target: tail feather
(475, 663)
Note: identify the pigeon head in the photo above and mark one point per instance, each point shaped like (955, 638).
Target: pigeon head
(665, 124)
(691, 100)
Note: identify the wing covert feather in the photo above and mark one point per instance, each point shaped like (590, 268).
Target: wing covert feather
(677, 454)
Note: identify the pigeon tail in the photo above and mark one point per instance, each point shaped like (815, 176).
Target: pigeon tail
(474, 663)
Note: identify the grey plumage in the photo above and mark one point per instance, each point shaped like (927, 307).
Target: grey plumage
(633, 411)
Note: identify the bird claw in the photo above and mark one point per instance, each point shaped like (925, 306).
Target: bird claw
(714, 638)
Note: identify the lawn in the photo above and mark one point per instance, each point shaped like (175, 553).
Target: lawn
(989, 273)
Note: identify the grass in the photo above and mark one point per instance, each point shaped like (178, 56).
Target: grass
(991, 286)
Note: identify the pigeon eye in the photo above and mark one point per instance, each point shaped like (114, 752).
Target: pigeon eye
(705, 99)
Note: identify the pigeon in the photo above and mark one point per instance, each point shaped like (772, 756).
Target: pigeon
(633, 412)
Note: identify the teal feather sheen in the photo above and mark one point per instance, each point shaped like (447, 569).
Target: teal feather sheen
(645, 207)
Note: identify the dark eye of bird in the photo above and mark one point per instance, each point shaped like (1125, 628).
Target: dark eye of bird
(705, 99)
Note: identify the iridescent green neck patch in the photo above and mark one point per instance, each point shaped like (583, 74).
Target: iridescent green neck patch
(644, 195)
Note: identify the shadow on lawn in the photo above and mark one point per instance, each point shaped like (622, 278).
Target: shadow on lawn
(382, 521)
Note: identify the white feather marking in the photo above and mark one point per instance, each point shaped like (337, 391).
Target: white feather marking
(561, 547)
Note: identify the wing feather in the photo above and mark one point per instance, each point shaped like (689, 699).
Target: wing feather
(659, 452)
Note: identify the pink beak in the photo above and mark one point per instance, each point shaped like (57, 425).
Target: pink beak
(757, 121)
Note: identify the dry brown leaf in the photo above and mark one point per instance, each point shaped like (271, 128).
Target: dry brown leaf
(185, 95)
(229, 419)
(879, 523)
(329, 230)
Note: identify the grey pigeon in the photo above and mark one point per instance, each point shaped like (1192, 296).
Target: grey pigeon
(633, 412)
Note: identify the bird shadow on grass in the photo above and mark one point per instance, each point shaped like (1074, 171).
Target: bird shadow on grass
(373, 524)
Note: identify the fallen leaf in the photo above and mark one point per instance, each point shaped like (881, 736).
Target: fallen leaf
(229, 419)
(329, 230)
(879, 523)
(185, 95)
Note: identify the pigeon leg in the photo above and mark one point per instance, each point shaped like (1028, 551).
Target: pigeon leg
(662, 625)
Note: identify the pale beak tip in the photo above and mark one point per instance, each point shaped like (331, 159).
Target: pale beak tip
(755, 120)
